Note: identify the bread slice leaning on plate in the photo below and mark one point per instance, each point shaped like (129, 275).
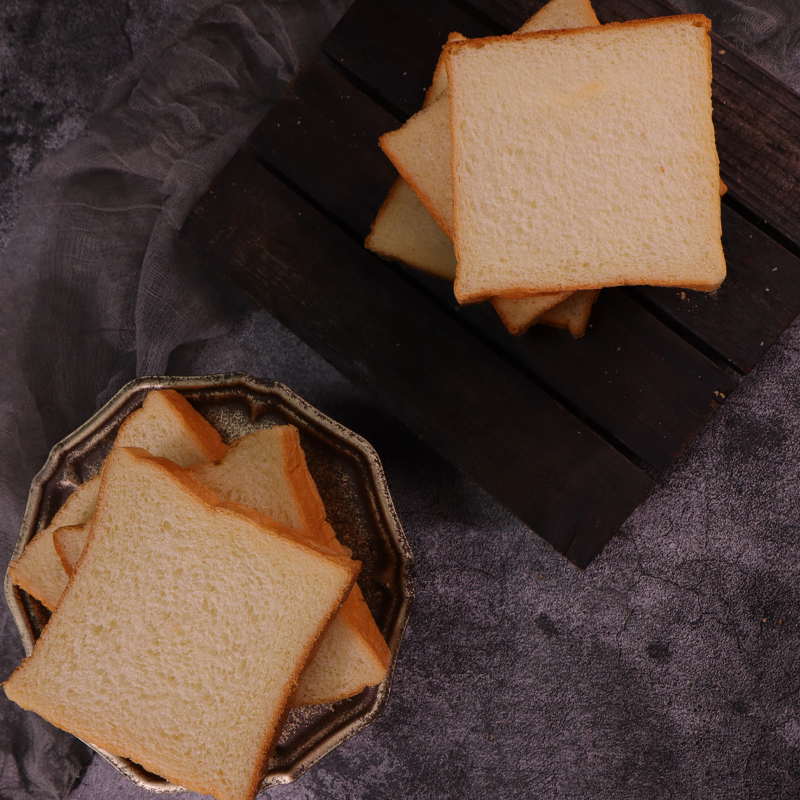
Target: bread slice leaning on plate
(182, 635)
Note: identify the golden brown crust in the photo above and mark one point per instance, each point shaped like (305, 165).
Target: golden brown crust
(303, 487)
(696, 20)
(723, 189)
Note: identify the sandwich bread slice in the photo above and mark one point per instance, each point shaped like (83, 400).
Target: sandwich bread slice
(421, 151)
(538, 119)
(181, 637)
(166, 425)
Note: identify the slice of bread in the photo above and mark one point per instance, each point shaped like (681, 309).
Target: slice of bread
(182, 635)
(267, 471)
(519, 315)
(166, 425)
(38, 570)
(404, 230)
(537, 118)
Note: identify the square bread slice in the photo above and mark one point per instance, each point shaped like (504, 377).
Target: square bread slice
(181, 637)
(585, 158)
(166, 425)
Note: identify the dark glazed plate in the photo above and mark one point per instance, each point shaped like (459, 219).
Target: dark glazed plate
(350, 479)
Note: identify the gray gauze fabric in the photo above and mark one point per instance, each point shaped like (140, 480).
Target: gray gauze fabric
(96, 287)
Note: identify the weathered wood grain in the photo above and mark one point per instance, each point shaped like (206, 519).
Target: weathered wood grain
(489, 420)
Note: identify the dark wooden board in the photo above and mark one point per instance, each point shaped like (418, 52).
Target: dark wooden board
(400, 62)
(500, 428)
(635, 378)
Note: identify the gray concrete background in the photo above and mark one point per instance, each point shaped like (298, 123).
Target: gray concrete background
(668, 669)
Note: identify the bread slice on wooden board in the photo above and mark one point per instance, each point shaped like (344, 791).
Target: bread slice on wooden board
(573, 314)
(421, 149)
(180, 638)
(267, 471)
(38, 570)
(166, 425)
(625, 108)
(405, 231)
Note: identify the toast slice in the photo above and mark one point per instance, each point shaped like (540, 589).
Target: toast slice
(166, 425)
(266, 471)
(626, 107)
(182, 635)
(404, 230)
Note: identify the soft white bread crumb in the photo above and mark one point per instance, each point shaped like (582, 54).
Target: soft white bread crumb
(180, 638)
(586, 160)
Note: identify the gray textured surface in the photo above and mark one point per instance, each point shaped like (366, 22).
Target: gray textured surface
(668, 669)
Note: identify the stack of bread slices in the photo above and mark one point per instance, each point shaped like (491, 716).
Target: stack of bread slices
(558, 160)
(198, 593)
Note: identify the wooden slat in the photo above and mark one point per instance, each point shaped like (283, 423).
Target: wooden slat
(394, 46)
(496, 426)
(638, 380)
(758, 301)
